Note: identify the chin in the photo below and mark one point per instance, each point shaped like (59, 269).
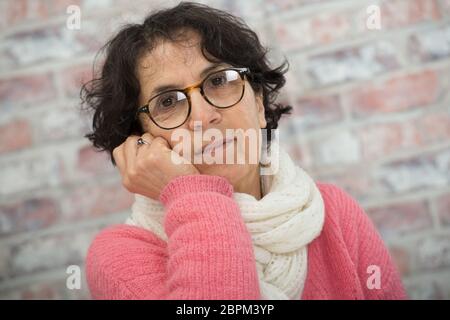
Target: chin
(232, 172)
(218, 169)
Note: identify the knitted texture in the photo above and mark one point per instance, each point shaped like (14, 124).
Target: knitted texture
(281, 224)
(209, 252)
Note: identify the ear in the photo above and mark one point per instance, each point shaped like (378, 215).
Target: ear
(260, 109)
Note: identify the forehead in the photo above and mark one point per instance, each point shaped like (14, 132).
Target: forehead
(168, 60)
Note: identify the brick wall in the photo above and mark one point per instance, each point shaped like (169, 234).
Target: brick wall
(372, 115)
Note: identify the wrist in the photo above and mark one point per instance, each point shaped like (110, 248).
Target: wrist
(194, 183)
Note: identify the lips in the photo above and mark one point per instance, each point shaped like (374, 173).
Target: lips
(215, 144)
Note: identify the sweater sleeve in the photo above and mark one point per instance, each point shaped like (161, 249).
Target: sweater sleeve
(208, 255)
(377, 272)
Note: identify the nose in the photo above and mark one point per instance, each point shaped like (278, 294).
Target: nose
(202, 111)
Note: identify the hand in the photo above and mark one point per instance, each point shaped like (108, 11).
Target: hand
(146, 169)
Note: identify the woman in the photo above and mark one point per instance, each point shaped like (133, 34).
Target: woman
(214, 230)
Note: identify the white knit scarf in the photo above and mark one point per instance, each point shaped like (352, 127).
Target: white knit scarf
(282, 223)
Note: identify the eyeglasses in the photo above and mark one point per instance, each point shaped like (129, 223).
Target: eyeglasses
(222, 89)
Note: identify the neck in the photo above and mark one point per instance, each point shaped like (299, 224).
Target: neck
(250, 184)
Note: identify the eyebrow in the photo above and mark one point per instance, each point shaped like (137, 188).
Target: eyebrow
(166, 87)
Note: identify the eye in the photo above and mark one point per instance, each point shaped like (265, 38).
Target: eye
(167, 101)
(217, 80)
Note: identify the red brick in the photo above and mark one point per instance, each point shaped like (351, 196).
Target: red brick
(429, 288)
(384, 139)
(54, 291)
(401, 218)
(420, 172)
(60, 123)
(56, 43)
(354, 180)
(47, 289)
(281, 5)
(330, 26)
(445, 5)
(316, 111)
(48, 8)
(402, 259)
(74, 77)
(31, 89)
(443, 208)
(401, 13)
(396, 94)
(433, 252)
(434, 127)
(12, 12)
(352, 63)
(33, 171)
(325, 27)
(15, 135)
(300, 154)
(300, 32)
(50, 252)
(23, 11)
(96, 200)
(94, 162)
(396, 14)
(28, 215)
(5, 256)
(43, 292)
(245, 9)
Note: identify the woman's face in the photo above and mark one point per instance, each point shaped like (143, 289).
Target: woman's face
(180, 65)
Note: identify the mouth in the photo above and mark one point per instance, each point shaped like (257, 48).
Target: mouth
(220, 143)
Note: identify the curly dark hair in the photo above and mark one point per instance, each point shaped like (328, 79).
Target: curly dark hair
(113, 95)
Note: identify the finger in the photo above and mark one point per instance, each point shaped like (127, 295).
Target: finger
(148, 137)
(119, 158)
(130, 150)
(164, 145)
(161, 142)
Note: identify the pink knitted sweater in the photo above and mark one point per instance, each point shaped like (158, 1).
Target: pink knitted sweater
(209, 254)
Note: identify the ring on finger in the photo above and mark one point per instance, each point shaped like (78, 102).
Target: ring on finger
(141, 141)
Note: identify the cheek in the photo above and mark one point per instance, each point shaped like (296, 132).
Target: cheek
(156, 131)
(246, 114)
